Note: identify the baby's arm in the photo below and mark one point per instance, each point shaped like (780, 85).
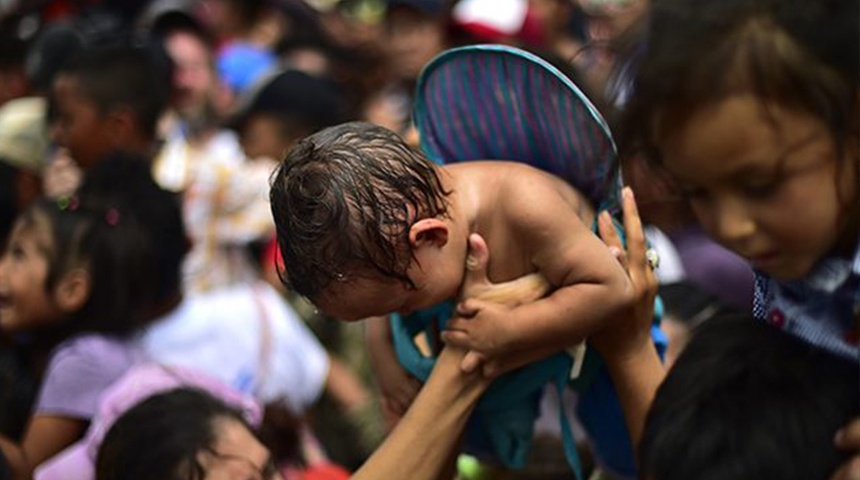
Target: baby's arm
(591, 287)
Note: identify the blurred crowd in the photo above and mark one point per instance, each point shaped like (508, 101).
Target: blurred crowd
(211, 94)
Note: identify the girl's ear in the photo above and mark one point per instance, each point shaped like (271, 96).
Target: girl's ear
(73, 290)
(428, 231)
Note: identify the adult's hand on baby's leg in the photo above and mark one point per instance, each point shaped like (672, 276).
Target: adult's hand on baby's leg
(483, 316)
(632, 329)
(625, 344)
(459, 331)
(848, 439)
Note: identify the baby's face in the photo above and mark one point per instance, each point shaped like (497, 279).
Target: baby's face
(369, 294)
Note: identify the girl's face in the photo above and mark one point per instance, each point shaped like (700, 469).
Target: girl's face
(237, 455)
(763, 181)
(25, 303)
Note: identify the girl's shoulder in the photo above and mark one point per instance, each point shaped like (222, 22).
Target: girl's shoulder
(96, 346)
(80, 369)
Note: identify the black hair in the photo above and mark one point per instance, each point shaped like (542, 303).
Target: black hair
(798, 54)
(160, 438)
(123, 76)
(8, 199)
(343, 201)
(102, 238)
(13, 50)
(747, 401)
(177, 21)
(127, 179)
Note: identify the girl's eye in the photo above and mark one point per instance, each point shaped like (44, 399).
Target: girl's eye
(17, 252)
(693, 193)
(762, 190)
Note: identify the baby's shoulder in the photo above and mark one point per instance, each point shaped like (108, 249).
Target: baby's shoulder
(509, 176)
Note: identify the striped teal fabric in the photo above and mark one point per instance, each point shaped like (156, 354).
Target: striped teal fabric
(502, 103)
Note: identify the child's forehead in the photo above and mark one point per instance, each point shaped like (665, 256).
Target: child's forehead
(35, 227)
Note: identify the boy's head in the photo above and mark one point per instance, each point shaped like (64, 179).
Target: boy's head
(108, 99)
(361, 219)
(746, 401)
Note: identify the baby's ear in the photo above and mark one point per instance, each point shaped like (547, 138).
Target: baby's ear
(73, 290)
(428, 231)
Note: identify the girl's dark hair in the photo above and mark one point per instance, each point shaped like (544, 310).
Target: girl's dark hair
(127, 180)
(344, 199)
(102, 238)
(161, 437)
(799, 54)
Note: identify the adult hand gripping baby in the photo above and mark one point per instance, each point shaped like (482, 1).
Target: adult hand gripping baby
(481, 303)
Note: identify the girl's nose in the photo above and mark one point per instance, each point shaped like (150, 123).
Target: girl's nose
(733, 223)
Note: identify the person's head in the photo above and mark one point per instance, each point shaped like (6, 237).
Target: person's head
(365, 224)
(157, 211)
(753, 108)
(108, 99)
(747, 401)
(75, 264)
(190, 48)
(414, 34)
(183, 434)
(289, 106)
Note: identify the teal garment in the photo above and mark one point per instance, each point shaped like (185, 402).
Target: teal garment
(503, 422)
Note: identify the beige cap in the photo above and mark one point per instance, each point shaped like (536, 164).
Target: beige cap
(23, 133)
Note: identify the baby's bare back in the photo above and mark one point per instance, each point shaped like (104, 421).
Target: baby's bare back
(488, 189)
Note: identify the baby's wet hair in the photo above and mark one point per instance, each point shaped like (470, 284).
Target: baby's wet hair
(343, 201)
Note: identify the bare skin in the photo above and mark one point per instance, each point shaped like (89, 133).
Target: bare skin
(532, 222)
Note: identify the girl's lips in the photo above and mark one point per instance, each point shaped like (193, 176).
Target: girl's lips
(764, 261)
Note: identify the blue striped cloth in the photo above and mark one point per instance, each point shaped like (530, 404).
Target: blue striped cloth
(501, 103)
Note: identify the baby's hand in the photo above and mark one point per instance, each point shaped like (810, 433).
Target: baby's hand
(849, 439)
(481, 327)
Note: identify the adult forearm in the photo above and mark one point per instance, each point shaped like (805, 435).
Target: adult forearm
(636, 376)
(420, 446)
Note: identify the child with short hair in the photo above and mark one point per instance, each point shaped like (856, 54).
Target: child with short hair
(121, 91)
(77, 276)
(368, 226)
